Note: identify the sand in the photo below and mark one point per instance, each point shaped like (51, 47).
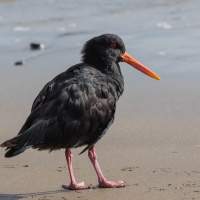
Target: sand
(154, 143)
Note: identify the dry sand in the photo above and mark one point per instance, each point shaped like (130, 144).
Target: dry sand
(154, 143)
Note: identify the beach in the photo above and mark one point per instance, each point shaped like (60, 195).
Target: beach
(154, 143)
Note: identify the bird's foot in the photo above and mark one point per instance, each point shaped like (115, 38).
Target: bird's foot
(111, 184)
(76, 186)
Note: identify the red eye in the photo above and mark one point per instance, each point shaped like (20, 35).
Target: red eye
(113, 45)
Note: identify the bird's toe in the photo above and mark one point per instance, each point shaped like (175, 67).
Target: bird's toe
(111, 184)
(76, 186)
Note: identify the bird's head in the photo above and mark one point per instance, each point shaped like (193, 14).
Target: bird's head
(107, 49)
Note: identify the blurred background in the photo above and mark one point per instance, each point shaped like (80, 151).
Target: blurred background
(162, 31)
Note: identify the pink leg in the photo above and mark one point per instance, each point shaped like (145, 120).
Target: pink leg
(73, 185)
(102, 180)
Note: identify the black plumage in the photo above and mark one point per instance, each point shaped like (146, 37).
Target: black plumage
(78, 106)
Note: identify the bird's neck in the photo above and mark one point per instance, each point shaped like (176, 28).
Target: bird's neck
(113, 73)
(109, 68)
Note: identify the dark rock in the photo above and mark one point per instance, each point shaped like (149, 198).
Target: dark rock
(36, 46)
(20, 63)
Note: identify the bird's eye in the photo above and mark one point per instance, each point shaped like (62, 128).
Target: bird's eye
(113, 45)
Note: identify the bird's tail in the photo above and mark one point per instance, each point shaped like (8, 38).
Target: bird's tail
(25, 140)
(11, 149)
(14, 152)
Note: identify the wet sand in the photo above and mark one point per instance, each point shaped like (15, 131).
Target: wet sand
(154, 143)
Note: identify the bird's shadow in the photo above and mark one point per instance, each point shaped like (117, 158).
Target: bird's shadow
(34, 194)
(37, 194)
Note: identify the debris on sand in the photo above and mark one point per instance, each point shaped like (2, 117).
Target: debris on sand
(20, 63)
(36, 46)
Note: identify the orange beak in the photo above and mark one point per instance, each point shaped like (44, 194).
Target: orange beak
(134, 63)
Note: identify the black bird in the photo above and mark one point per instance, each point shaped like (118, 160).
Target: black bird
(78, 106)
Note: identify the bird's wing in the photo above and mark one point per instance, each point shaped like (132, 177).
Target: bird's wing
(39, 100)
(71, 111)
(48, 95)
(50, 90)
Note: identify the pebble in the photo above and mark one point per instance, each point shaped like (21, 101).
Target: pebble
(20, 63)
(36, 46)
